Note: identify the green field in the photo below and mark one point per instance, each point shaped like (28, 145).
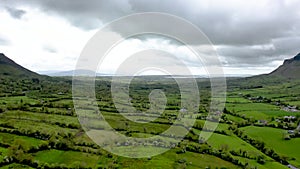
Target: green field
(274, 139)
(39, 128)
(71, 158)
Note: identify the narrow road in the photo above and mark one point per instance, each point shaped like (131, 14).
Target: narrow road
(292, 167)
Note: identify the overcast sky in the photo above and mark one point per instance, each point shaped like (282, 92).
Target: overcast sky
(251, 37)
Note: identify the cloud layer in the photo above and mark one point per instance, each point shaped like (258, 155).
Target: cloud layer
(246, 34)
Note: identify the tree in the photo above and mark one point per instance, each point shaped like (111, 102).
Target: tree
(18, 151)
(261, 159)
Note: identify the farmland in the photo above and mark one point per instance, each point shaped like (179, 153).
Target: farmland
(39, 127)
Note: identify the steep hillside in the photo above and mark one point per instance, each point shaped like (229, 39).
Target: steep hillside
(9, 68)
(289, 69)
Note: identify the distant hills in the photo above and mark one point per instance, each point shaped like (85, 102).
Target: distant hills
(79, 72)
(82, 72)
(68, 73)
(289, 69)
(11, 69)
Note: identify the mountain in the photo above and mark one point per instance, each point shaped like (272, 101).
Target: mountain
(9, 68)
(67, 73)
(79, 72)
(289, 69)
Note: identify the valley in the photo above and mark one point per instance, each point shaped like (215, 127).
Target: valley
(39, 127)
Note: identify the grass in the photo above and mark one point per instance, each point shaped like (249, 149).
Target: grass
(16, 166)
(139, 150)
(70, 158)
(258, 111)
(274, 139)
(118, 121)
(267, 165)
(234, 118)
(39, 117)
(220, 126)
(55, 121)
(237, 100)
(28, 125)
(295, 103)
(3, 153)
(172, 160)
(9, 139)
(233, 143)
(17, 99)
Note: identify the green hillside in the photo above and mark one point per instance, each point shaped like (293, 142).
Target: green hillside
(289, 69)
(11, 69)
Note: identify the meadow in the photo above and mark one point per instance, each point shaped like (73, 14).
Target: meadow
(39, 127)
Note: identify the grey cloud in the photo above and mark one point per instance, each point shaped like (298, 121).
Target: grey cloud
(261, 55)
(242, 28)
(15, 13)
(87, 15)
(237, 56)
(287, 45)
(222, 22)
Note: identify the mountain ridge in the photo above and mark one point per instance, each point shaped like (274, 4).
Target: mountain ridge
(10, 68)
(289, 69)
(79, 72)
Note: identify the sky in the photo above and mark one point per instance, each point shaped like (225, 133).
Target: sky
(250, 37)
